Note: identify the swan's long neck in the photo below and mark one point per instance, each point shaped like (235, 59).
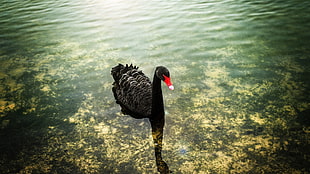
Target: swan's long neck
(157, 120)
(157, 98)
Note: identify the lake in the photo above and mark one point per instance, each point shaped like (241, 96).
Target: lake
(241, 72)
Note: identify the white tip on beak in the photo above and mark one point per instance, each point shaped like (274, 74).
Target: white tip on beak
(171, 87)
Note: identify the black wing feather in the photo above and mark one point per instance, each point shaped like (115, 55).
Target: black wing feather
(132, 90)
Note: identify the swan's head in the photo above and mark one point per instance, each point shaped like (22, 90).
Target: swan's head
(163, 74)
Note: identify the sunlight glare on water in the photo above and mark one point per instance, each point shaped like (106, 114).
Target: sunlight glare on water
(240, 71)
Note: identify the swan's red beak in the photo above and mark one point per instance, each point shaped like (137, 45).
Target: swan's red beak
(168, 82)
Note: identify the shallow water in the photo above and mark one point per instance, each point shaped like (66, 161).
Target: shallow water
(240, 70)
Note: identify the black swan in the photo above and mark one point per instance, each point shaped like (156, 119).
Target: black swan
(140, 98)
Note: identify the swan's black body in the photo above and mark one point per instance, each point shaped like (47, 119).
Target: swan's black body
(132, 91)
(141, 98)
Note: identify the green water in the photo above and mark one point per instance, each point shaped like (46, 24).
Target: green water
(240, 70)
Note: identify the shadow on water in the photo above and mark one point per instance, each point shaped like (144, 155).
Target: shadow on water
(26, 129)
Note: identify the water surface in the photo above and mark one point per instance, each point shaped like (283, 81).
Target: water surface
(240, 70)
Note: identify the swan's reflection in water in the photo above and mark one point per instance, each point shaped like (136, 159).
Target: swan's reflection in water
(157, 134)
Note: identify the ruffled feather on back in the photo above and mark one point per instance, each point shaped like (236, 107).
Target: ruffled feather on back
(132, 91)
